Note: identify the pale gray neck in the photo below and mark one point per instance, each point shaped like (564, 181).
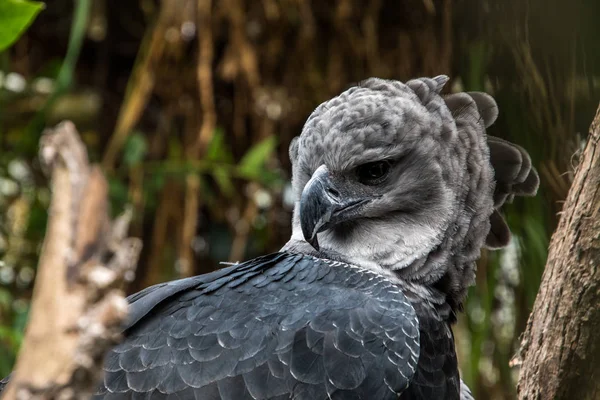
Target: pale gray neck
(392, 254)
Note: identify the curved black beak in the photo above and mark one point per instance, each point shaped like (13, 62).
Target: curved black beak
(325, 203)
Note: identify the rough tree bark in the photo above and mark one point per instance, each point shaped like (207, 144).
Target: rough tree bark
(78, 305)
(560, 351)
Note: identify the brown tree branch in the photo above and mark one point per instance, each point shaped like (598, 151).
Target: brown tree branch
(78, 306)
(560, 351)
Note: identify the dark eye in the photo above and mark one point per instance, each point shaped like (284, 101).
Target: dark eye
(373, 173)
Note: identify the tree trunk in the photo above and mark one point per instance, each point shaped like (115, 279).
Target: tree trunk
(560, 351)
(78, 304)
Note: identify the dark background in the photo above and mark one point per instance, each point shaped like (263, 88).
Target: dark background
(190, 108)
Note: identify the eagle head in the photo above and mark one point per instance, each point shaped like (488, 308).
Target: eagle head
(394, 176)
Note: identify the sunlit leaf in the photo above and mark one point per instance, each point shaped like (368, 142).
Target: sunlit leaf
(253, 161)
(15, 17)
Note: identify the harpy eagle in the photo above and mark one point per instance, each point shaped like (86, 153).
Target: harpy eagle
(397, 188)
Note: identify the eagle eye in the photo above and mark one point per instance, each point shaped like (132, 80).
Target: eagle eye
(374, 172)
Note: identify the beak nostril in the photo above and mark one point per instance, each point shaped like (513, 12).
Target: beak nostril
(333, 192)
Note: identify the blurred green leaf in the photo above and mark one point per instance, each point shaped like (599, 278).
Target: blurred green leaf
(271, 178)
(217, 149)
(7, 361)
(154, 184)
(15, 17)
(37, 219)
(5, 298)
(135, 149)
(253, 161)
(21, 316)
(223, 179)
(11, 336)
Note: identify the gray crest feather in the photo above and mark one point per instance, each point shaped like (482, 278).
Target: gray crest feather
(293, 149)
(427, 88)
(499, 235)
(487, 107)
(514, 174)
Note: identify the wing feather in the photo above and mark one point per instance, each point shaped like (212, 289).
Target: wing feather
(282, 325)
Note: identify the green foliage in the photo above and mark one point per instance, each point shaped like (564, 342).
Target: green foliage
(219, 153)
(135, 149)
(219, 163)
(15, 17)
(64, 78)
(217, 149)
(253, 162)
(223, 179)
(487, 349)
(11, 329)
